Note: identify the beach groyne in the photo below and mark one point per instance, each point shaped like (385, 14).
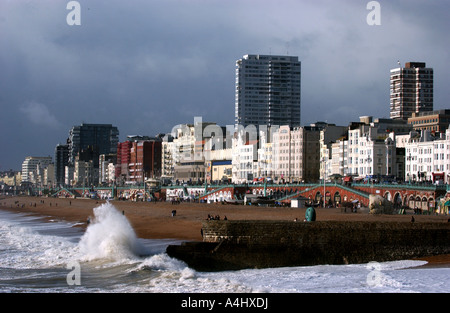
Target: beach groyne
(233, 245)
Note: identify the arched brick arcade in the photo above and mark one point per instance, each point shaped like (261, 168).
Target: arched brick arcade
(419, 197)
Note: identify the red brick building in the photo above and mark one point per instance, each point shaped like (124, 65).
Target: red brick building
(145, 160)
(123, 158)
(138, 159)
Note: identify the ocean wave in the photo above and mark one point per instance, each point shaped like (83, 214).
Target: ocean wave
(109, 236)
(34, 258)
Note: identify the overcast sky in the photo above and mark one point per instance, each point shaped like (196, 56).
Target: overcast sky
(146, 66)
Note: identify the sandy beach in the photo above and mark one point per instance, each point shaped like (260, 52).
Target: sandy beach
(152, 220)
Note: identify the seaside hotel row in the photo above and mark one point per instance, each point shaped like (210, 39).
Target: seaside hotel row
(368, 148)
(412, 145)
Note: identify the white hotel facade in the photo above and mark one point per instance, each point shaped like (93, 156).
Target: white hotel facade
(370, 153)
(427, 158)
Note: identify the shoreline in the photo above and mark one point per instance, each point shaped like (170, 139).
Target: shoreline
(154, 220)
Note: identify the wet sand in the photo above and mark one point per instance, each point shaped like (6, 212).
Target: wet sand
(152, 220)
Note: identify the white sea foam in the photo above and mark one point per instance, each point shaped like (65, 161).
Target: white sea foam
(161, 262)
(109, 236)
(27, 248)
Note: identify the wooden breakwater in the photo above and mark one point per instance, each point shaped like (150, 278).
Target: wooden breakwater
(232, 245)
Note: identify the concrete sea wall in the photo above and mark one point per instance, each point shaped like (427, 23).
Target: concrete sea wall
(231, 245)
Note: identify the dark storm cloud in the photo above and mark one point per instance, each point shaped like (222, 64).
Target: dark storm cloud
(146, 66)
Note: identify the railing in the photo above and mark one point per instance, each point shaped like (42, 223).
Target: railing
(299, 192)
(403, 186)
(215, 187)
(213, 191)
(356, 191)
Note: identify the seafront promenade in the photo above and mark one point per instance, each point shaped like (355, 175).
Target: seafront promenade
(427, 198)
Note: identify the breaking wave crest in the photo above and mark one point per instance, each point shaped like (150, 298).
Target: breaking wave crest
(109, 236)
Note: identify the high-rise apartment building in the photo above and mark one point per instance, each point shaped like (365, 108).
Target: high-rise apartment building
(268, 90)
(90, 140)
(61, 161)
(411, 90)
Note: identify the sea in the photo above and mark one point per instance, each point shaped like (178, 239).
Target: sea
(52, 256)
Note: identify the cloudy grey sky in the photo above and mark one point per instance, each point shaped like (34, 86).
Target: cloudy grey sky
(145, 66)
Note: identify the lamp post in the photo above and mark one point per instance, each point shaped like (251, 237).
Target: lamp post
(324, 171)
(197, 174)
(410, 168)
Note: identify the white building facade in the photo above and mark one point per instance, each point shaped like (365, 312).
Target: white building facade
(244, 159)
(369, 153)
(33, 169)
(428, 158)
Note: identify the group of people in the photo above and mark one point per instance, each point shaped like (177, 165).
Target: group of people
(215, 218)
